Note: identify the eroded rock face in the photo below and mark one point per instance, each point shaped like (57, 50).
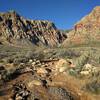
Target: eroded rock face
(86, 30)
(89, 24)
(14, 29)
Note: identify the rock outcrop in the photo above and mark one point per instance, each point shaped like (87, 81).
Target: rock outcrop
(20, 92)
(86, 30)
(16, 30)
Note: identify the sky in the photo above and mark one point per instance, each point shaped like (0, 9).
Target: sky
(64, 13)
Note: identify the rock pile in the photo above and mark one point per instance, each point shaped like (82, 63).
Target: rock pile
(88, 69)
(20, 92)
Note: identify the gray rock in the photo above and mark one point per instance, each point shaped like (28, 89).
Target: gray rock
(61, 93)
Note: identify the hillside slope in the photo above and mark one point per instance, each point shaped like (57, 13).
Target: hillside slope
(86, 31)
(16, 30)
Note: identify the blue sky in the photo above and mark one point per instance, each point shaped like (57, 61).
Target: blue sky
(64, 13)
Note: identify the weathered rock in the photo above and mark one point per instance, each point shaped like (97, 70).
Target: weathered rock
(33, 63)
(30, 61)
(20, 92)
(16, 30)
(62, 69)
(85, 31)
(62, 65)
(88, 69)
(34, 82)
(42, 71)
(84, 72)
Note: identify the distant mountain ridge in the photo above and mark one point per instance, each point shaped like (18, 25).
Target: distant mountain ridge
(17, 30)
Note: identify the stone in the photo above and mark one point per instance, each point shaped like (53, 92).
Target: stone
(41, 71)
(87, 66)
(19, 98)
(62, 69)
(38, 61)
(33, 63)
(34, 82)
(60, 63)
(20, 92)
(84, 72)
(30, 61)
(88, 69)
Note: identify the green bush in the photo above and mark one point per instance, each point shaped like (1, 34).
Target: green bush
(7, 60)
(82, 60)
(20, 60)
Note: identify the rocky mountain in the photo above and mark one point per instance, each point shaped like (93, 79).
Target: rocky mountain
(16, 30)
(87, 30)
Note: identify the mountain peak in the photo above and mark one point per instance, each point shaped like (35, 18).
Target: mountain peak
(87, 29)
(14, 29)
(97, 8)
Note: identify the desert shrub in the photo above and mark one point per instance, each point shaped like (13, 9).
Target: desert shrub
(61, 93)
(7, 60)
(35, 54)
(65, 53)
(40, 56)
(4, 75)
(20, 60)
(83, 59)
(2, 55)
(94, 86)
(73, 72)
(70, 54)
(29, 54)
(11, 73)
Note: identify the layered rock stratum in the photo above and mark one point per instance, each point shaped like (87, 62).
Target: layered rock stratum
(86, 30)
(16, 30)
